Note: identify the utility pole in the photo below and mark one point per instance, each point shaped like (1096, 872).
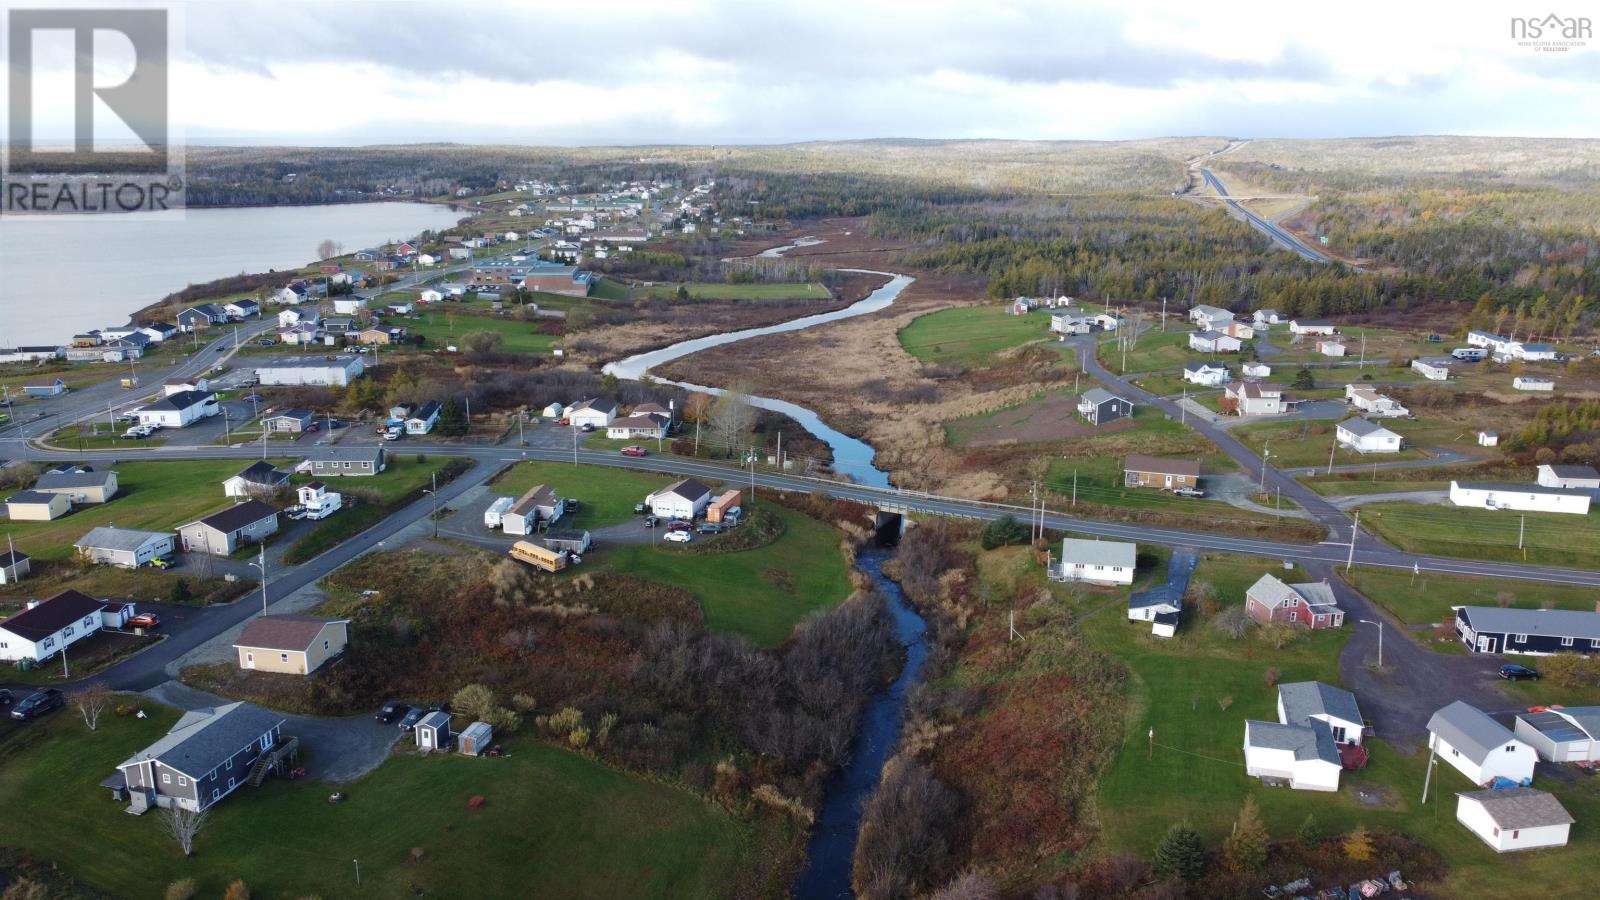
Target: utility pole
(1331, 449)
(1074, 488)
(1163, 315)
(1522, 524)
(263, 440)
(262, 565)
(574, 445)
(1353, 529)
(780, 452)
(434, 496)
(227, 432)
(1266, 453)
(752, 459)
(1427, 777)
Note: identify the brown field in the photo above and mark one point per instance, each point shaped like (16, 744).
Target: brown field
(1053, 418)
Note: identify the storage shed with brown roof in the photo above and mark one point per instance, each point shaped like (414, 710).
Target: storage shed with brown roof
(292, 645)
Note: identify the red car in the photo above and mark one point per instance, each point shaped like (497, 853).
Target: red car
(635, 451)
(144, 620)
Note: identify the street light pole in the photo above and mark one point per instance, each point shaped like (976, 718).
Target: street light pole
(262, 565)
(1380, 639)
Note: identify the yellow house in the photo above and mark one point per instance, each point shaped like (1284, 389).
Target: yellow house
(292, 645)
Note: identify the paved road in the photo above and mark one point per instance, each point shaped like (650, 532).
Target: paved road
(1278, 235)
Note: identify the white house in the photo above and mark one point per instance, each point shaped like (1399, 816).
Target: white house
(1478, 746)
(296, 316)
(283, 296)
(180, 409)
(1562, 734)
(1256, 398)
(1071, 323)
(1265, 317)
(1108, 321)
(1532, 383)
(429, 295)
(339, 371)
(1486, 340)
(1529, 352)
(1209, 318)
(45, 628)
(1433, 368)
(1214, 342)
(242, 309)
(598, 413)
(1366, 436)
(1569, 477)
(1302, 747)
(1524, 497)
(1369, 401)
(1488, 439)
(1256, 370)
(424, 418)
(1238, 329)
(637, 426)
(1515, 818)
(1311, 326)
(1205, 374)
(538, 504)
(683, 499)
(349, 305)
(255, 479)
(1331, 348)
(1102, 562)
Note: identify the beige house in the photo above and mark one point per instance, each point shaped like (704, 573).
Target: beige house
(37, 506)
(291, 645)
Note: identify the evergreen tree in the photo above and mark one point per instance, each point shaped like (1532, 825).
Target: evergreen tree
(1246, 849)
(452, 421)
(1002, 531)
(1180, 854)
(1310, 834)
(1358, 846)
(181, 592)
(1304, 380)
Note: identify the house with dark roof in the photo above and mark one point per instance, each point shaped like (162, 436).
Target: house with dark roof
(684, 499)
(1479, 747)
(1561, 733)
(208, 754)
(1537, 632)
(333, 462)
(1099, 406)
(227, 530)
(129, 548)
(292, 645)
(597, 412)
(639, 425)
(47, 627)
(14, 566)
(1310, 605)
(288, 421)
(1366, 436)
(1255, 398)
(200, 316)
(255, 479)
(180, 409)
(1569, 477)
(81, 485)
(425, 417)
(37, 506)
(1519, 818)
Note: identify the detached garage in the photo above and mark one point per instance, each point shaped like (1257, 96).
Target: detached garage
(1515, 818)
(1571, 734)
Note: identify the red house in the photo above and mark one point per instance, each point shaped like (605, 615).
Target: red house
(1306, 605)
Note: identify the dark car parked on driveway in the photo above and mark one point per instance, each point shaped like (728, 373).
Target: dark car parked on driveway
(711, 528)
(412, 717)
(390, 711)
(39, 703)
(1514, 672)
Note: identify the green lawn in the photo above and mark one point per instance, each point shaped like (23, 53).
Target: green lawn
(1099, 479)
(153, 496)
(609, 289)
(760, 593)
(971, 335)
(1196, 771)
(608, 495)
(1158, 351)
(1426, 598)
(1305, 444)
(553, 824)
(710, 290)
(443, 328)
(1554, 539)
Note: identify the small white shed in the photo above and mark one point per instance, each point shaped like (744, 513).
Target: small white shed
(475, 739)
(1515, 818)
(433, 731)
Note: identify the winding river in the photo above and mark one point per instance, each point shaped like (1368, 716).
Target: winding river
(831, 848)
(851, 457)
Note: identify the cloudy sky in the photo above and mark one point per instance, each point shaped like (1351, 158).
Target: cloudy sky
(709, 71)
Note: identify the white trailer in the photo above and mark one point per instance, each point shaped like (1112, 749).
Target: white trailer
(495, 514)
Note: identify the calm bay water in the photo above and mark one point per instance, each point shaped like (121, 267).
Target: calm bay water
(62, 276)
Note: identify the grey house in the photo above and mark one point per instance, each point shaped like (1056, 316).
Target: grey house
(129, 548)
(205, 757)
(334, 462)
(1099, 406)
(223, 532)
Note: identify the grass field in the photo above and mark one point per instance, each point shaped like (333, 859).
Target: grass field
(1100, 480)
(1305, 444)
(761, 593)
(1196, 769)
(609, 289)
(154, 496)
(553, 824)
(1553, 539)
(971, 335)
(608, 495)
(1158, 351)
(442, 329)
(1427, 597)
(710, 290)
